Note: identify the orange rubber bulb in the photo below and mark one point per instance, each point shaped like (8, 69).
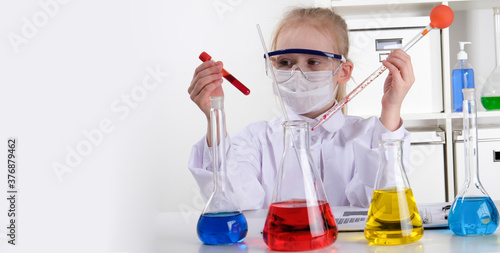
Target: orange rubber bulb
(441, 17)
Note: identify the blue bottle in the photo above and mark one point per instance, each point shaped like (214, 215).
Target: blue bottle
(473, 213)
(462, 77)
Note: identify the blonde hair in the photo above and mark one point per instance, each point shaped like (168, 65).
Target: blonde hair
(324, 20)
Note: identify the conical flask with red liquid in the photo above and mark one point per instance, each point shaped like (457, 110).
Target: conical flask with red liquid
(299, 217)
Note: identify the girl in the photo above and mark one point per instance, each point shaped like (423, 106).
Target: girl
(310, 61)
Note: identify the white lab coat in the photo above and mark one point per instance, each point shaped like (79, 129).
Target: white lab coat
(344, 148)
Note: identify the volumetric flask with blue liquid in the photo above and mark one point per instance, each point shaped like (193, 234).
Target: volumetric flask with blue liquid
(473, 213)
(221, 222)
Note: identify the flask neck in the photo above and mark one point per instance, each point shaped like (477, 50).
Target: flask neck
(298, 178)
(218, 135)
(296, 135)
(391, 172)
(496, 16)
(470, 136)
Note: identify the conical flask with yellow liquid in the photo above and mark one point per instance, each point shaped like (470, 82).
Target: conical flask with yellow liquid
(393, 216)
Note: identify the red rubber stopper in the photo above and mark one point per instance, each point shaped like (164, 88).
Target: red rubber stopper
(205, 57)
(441, 17)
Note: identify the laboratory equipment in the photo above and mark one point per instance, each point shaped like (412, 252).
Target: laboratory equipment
(370, 43)
(393, 216)
(473, 212)
(462, 77)
(488, 145)
(490, 95)
(299, 216)
(441, 17)
(206, 57)
(273, 75)
(222, 221)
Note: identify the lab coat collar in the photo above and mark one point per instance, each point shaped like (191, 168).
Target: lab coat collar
(334, 123)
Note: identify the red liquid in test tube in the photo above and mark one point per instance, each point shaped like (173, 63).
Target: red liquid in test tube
(206, 57)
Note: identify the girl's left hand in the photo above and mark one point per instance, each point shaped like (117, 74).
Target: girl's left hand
(399, 80)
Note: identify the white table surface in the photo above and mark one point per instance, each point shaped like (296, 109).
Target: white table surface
(176, 232)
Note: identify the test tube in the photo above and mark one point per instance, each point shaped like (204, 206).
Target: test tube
(206, 57)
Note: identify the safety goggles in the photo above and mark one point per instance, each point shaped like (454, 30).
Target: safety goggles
(307, 61)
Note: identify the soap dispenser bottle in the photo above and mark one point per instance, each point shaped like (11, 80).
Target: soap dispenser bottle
(462, 77)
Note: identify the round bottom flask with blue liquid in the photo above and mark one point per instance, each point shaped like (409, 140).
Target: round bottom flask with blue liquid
(221, 222)
(473, 213)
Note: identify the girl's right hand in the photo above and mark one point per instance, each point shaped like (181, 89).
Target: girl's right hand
(207, 80)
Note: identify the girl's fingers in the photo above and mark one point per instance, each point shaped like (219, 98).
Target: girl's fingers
(206, 69)
(394, 71)
(204, 93)
(402, 61)
(203, 82)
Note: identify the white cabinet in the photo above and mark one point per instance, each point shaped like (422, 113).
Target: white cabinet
(488, 160)
(426, 165)
(470, 15)
(371, 42)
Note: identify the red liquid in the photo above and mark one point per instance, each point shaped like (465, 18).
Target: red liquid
(235, 82)
(292, 226)
(205, 57)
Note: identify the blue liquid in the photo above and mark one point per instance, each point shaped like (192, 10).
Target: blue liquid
(473, 216)
(222, 228)
(461, 79)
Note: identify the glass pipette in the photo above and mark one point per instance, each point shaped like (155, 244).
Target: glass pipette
(275, 81)
(441, 17)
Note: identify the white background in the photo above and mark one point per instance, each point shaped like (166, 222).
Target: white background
(66, 68)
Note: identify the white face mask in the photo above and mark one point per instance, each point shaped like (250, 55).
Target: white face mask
(304, 96)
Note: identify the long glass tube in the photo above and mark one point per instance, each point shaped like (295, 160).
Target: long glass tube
(369, 80)
(470, 137)
(275, 81)
(496, 15)
(218, 143)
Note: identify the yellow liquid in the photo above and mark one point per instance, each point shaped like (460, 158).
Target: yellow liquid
(393, 218)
